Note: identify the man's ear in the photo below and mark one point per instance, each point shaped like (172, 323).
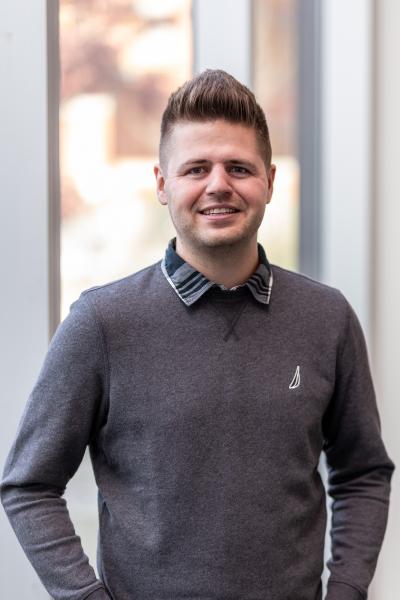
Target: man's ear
(271, 178)
(160, 183)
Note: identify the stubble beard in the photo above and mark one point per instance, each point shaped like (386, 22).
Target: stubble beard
(210, 245)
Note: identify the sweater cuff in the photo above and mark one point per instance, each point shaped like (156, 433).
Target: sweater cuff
(98, 594)
(343, 591)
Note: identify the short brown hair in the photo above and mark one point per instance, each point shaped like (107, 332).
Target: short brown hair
(211, 95)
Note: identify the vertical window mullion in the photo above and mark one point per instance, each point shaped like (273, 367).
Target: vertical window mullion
(222, 37)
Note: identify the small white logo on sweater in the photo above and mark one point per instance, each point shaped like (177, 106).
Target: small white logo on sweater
(295, 383)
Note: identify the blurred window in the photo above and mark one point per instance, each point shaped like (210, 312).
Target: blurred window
(119, 60)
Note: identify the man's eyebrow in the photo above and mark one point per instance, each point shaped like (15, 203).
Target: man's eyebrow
(229, 161)
(197, 161)
(240, 161)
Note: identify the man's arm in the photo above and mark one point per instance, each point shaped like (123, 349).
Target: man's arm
(60, 418)
(359, 470)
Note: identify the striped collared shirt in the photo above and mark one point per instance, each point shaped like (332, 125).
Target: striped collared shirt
(190, 284)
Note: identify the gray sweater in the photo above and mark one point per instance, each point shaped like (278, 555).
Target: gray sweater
(205, 446)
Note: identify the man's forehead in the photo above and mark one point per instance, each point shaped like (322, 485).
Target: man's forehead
(193, 140)
(222, 127)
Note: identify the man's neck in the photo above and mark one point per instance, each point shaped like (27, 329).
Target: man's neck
(229, 266)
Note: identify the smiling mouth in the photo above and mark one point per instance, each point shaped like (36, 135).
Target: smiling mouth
(219, 211)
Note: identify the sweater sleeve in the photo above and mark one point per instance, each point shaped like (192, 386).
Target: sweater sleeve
(359, 469)
(62, 414)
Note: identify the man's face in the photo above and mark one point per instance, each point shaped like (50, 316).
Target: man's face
(215, 184)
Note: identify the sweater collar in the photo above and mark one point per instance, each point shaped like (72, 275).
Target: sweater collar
(190, 284)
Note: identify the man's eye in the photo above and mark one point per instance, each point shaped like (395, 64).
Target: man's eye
(239, 170)
(196, 171)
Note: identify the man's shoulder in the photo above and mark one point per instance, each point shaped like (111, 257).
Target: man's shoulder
(298, 300)
(301, 280)
(305, 290)
(137, 286)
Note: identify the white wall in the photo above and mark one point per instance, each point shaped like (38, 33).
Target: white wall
(387, 271)
(346, 79)
(25, 315)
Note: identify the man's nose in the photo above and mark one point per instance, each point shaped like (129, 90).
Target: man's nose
(218, 181)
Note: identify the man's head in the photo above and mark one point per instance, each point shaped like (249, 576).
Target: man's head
(215, 172)
(213, 95)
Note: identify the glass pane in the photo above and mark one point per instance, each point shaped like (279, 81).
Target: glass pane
(120, 61)
(275, 72)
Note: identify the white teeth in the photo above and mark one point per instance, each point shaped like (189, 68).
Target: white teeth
(216, 211)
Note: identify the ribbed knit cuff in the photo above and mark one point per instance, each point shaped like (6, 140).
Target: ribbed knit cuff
(343, 591)
(99, 594)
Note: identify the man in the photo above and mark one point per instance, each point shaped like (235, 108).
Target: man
(206, 387)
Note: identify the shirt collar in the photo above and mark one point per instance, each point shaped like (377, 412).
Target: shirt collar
(190, 284)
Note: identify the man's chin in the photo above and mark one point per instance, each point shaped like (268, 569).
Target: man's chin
(222, 241)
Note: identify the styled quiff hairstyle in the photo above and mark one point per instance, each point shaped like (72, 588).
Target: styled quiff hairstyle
(212, 95)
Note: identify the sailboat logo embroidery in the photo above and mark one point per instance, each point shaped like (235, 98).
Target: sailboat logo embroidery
(295, 383)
